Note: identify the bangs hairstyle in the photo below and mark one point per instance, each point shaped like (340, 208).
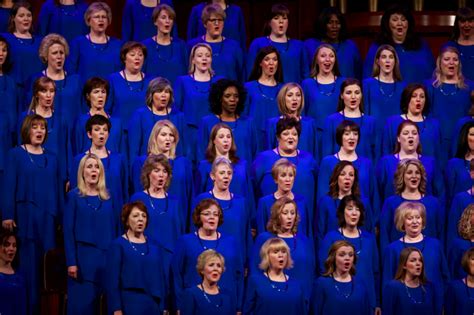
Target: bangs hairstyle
(158, 85)
(127, 209)
(97, 120)
(274, 222)
(465, 261)
(256, 72)
(152, 142)
(463, 144)
(205, 257)
(151, 162)
(4, 236)
(333, 181)
(399, 177)
(128, 47)
(81, 183)
(221, 160)
(274, 244)
(400, 128)
(41, 84)
(404, 209)
(281, 165)
(210, 9)
(462, 15)
(438, 76)
(96, 7)
(7, 64)
(14, 11)
(28, 122)
(465, 228)
(402, 261)
(323, 20)
(163, 7)
(397, 76)
(330, 263)
(412, 40)
(211, 147)
(48, 41)
(278, 9)
(287, 123)
(346, 125)
(216, 95)
(281, 98)
(314, 63)
(92, 84)
(408, 93)
(345, 202)
(192, 67)
(346, 83)
(205, 204)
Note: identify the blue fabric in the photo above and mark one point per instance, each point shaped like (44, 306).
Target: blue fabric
(195, 302)
(83, 297)
(264, 296)
(9, 107)
(456, 250)
(460, 202)
(12, 294)
(466, 58)
(397, 301)
(458, 299)
(347, 53)
(4, 17)
(456, 132)
(234, 25)
(458, 178)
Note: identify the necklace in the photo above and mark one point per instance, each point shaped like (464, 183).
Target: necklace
(423, 292)
(344, 295)
(333, 87)
(422, 243)
(450, 93)
(93, 207)
(33, 161)
(274, 286)
(209, 300)
(349, 240)
(99, 47)
(153, 205)
(271, 98)
(220, 200)
(135, 249)
(130, 87)
(63, 85)
(383, 92)
(205, 247)
(157, 47)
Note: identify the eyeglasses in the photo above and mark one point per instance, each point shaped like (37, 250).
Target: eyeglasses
(216, 21)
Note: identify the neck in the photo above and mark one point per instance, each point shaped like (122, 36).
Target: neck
(34, 148)
(165, 153)
(413, 238)
(281, 193)
(287, 152)
(91, 189)
(213, 39)
(450, 78)
(228, 116)
(22, 34)
(135, 235)
(94, 111)
(407, 154)
(276, 273)
(342, 275)
(411, 193)
(163, 38)
(157, 192)
(326, 77)
(201, 75)
(226, 155)
(267, 79)
(414, 117)
(55, 73)
(352, 112)
(223, 194)
(470, 280)
(411, 281)
(343, 193)
(210, 286)
(207, 233)
(399, 40)
(66, 2)
(44, 111)
(98, 37)
(159, 109)
(100, 151)
(350, 230)
(132, 74)
(285, 233)
(386, 77)
(6, 267)
(347, 155)
(278, 38)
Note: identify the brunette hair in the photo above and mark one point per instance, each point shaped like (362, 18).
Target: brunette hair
(28, 123)
(94, 83)
(256, 72)
(150, 164)
(407, 94)
(330, 263)
(314, 63)
(211, 147)
(274, 223)
(333, 181)
(346, 83)
(204, 205)
(402, 125)
(402, 261)
(127, 209)
(346, 125)
(397, 76)
(346, 201)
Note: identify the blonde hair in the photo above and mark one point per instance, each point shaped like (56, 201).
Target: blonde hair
(465, 228)
(193, 52)
(438, 76)
(281, 98)
(204, 257)
(48, 41)
(274, 223)
(274, 244)
(280, 165)
(402, 211)
(153, 146)
(96, 7)
(399, 181)
(81, 184)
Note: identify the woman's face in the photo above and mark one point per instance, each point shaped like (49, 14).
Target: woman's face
(269, 64)
(351, 214)
(398, 26)
(3, 54)
(293, 99)
(465, 27)
(137, 221)
(279, 25)
(344, 259)
(223, 141)
(161, 99)
(56, 57)
(349, 140)
(98, 21)
(471, 265)
(91, 172)
(230, 100)
(99, 135)
(213, 269)
(165, 140)
(23, 20)
(346, 178)
(210, 218)
(287, 217)
(409, 139)
(470, 139)
(278, 258)
(158, 177)
(46, 96)
(326, 58)
(214, 25)
(333, 27)
(414, 264)
(386, 61)
(449, 64)
(352, 95)
(134, 60)
(288, 140)
(37, 133)
(202, 59)
(417, 102)
(97, 98)
(285, 179)
(412, 177)
(222, 177)
(413, 223)
(164, 23)
(8, 250)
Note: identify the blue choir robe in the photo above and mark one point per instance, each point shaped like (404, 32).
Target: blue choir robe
(4, 17)
(327, 221)
(366, 145)
(460, 202)
(458, 299)
(227, 57)
(9, 107)
(264, 296)
(456, 132)
(305, 180)
(347, 53)
(306, 141)
(142, 123)
(236, 220)
(264, 211)
(302, 253)
(435, 265)
(421, 301)
(368, 262)
(331, 297)
(5, 146)
(455, 251)
(243, 131)
(466, 56)
(183, 265)
(116, 175)
(197, 302)
(458, 178)
(137, 21)
(89, 59)
(81, 142)
(90, 225)
(135, 277)
(13, 294)
(435, 219)
(261, 104)
(415, 65)
(167, 61)
(292, 55)
(65, 20)
(234, 24)
(387, 166)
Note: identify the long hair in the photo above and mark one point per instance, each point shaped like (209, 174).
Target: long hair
(81, 184)
(407, 93)
(256, 72)
(438, 76)
(211, 147)
(153, 145)
(323, 20)
(40, 84)
(192, 67)
(463, 145)
(314, 63)
(333, 181)
(397, 76)
(462, 15)
(274, 223)
(330, 263)
(399, 177)
(346, 83)
(465, 228)
(7, 64)
(401, 271)
(281, 98)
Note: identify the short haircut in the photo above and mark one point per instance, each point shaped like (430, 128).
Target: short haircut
(346, 125)
(280, 165)
(150, 164)
(97, 120)
(217, 93)
(402, 261)
(402, 211)
(129, 46)
(94, 83)
(48, 41)
(346, 201)
(407, 94)
(270, 245)
(205, 257)
(204, 205)
(95, 7)
(28, 123)
(157, 85)
(127, 209)
(281, 98)
(274, 223)
(465, 261)
(314, 63)
(287, 123)
(210, 9)
(163, 7)
(399, 177)
(256, 72)
(330, 263)
(333, 180)
(221, 160)
(346, 83)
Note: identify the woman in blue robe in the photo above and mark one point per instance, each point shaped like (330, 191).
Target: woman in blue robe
(64, 19)
(8, 90)
(458, 127)
(138, 20)
(410, 185)
(234, 27)
(263, 88)
(159, 101)
(90, 224)
(460, 202)
(461, 243)
(331, 28)
(116, 172)
(135, 273)
(207, 217)
(411, 292)
(167, 56)
(95, 54)
(288, 131)
(227, 56)
(339, 290)
(292, 53)
(271, 290)
(351, 216)
(32, 201)
(397, 28)
(291, 103)
(410, 218)
(226, 101)
(460, 292)
(5, 9)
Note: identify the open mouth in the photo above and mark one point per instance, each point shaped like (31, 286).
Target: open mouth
(411, 142)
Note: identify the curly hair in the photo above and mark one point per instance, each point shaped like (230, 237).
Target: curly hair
(204, 205)
(217, 93)
(399, 177)
(333, 181)
(465, 228)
